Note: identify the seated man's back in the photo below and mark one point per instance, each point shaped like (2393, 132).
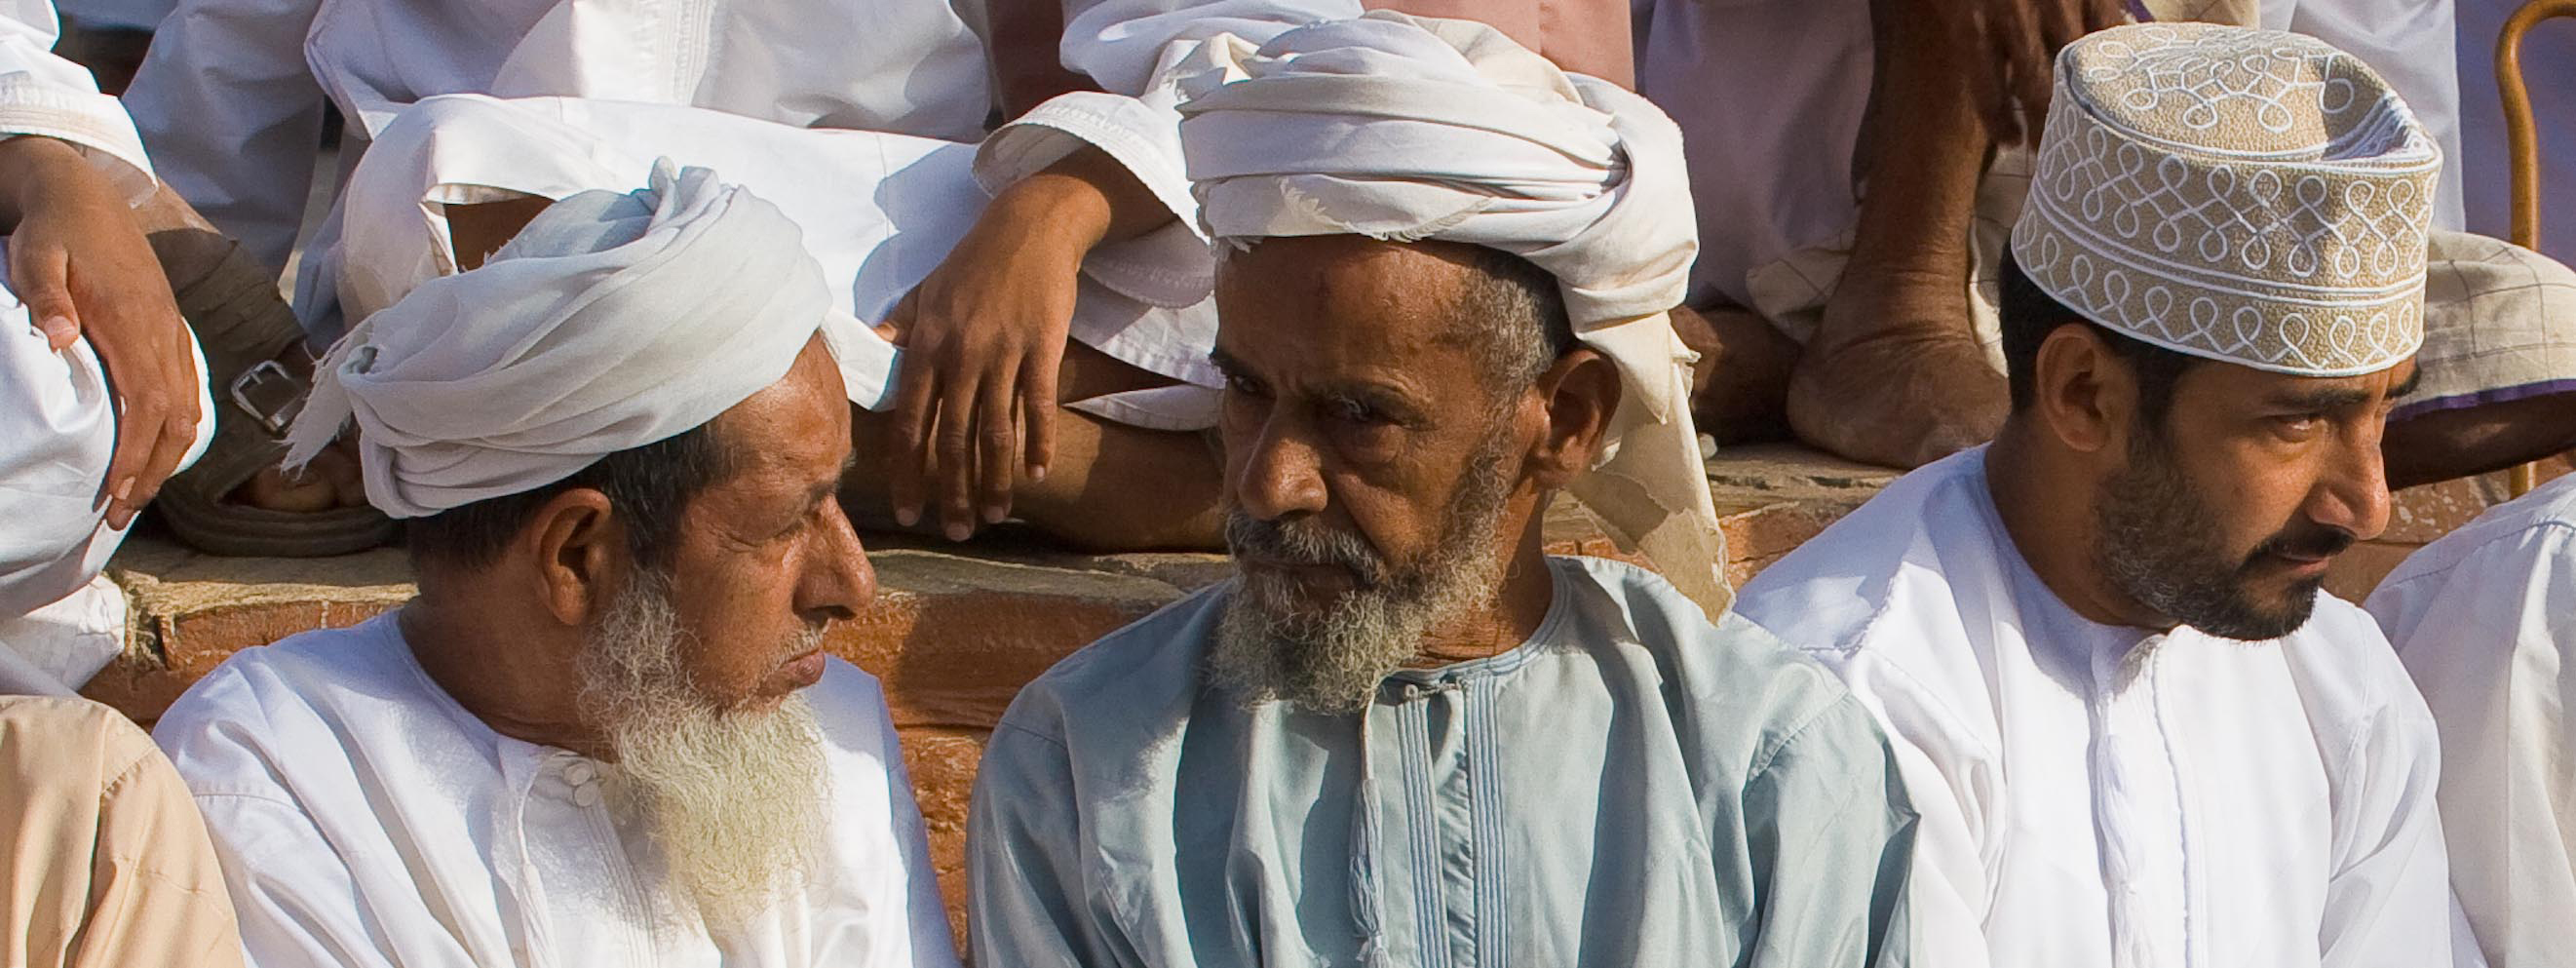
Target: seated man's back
(103, 861)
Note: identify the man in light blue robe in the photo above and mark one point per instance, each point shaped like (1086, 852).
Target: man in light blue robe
(1403, 734)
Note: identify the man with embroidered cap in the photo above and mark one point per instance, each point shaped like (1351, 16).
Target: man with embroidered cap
(1402, 734)
(2136, 731)
(604, 732)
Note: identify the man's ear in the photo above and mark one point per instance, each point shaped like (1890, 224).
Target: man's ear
(1578, 395)
(2082, 392)
(578, 547)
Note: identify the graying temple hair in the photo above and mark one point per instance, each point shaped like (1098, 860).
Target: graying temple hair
(1512, 317)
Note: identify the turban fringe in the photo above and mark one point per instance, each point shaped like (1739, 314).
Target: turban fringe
(572, 344)
(1409, 129)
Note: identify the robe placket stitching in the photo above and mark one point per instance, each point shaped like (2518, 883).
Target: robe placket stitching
(1452, 794)
(2113, 837)
(1367, 894)
(1413, 718)
(1484, 783)
(2185, 892)
(520, 878)
(630, 890)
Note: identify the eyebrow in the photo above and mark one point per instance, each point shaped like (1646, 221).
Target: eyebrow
(2413, 380)
(824, 490)
(2339, 397)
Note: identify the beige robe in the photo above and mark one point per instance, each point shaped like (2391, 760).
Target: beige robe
(103, 859)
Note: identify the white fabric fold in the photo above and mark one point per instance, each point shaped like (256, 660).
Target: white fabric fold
(1407, 129)
(41, 93)
(611, 322)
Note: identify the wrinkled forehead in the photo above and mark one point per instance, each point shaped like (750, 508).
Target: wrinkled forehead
(794, 429)
(1344, 315)
(1340, 293)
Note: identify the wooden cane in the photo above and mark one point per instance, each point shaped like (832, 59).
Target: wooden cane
(2524, 136)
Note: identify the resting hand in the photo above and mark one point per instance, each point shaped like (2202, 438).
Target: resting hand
(2008, 48)
(983, 339)
(80, 263)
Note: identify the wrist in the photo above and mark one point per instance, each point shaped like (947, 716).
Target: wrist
(1054, 209)
(35, 168)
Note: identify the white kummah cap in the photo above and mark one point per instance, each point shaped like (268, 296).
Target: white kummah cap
(612, 321)
(2252, 196)
(1411, 128)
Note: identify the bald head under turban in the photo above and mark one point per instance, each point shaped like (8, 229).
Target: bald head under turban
(612, 321)
(1405, 129)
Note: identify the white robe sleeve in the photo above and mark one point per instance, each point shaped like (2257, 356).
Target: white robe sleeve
(1952, 778)
(2486, 640)
(1132, 49)
(292, 893)
(2388, 898)
(43, 94)
(230, 108)
(1029, 900)
(2409, 42)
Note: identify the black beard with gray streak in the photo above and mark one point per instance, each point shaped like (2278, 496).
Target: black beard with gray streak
(1274, 644)
(2154, 545)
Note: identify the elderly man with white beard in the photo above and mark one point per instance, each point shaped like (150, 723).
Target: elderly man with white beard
(1403, 734)
(604, 732)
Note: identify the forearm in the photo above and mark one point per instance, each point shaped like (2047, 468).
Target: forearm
(35, 170)
(1084, 200)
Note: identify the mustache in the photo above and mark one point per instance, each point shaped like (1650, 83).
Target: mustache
(2322, 542)
(808, 639)
(1303, 541)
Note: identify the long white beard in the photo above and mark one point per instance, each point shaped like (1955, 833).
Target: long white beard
(733, 798)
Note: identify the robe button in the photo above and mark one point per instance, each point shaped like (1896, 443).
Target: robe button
(585, 796)
(579, 772)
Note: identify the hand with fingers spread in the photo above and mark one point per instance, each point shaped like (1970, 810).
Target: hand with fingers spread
(984, 336)
(81, 264)
(2008, 48)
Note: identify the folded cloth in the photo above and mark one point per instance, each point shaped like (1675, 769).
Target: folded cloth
(612, 321)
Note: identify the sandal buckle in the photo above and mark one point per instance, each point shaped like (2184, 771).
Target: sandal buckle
(270, 394)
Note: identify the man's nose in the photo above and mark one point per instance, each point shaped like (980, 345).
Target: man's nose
(2353, 493)
(1279, 473)
(838, 580)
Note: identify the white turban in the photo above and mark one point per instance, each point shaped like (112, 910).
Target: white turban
(612, 321)
(1409, 128)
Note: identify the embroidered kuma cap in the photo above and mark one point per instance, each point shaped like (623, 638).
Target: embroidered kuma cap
(2252, 196)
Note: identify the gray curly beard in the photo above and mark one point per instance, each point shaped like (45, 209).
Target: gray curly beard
(1275, 643)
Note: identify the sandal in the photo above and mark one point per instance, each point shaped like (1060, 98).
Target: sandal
(242, 326)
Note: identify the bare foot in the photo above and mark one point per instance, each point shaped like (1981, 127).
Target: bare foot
(1893, 374)
(1910, 389)
(332, 480)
